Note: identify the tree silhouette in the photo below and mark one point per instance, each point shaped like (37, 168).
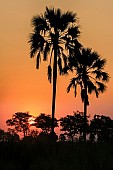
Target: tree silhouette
(62, 137)
(9, 136)
(89, 75)
(33, 133)
(72, 125)
(1, 134)
(20, 122)
(101, 127)
(44, 122)
(31, 137)
(54, 32)
(68, 125)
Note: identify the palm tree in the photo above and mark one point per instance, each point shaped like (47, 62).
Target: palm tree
(89, 75)
(53, 34)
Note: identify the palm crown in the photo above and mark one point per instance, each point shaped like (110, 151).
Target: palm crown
(53, 31)
(89, 67)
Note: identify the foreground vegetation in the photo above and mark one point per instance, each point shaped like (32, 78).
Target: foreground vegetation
(37, 150)
(25, 155)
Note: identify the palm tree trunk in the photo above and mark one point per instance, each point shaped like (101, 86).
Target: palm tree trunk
(85, 113)
(54, 86)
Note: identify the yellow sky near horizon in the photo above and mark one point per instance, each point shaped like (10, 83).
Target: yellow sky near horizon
(22, 87)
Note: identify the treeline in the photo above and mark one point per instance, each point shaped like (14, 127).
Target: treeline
(98, 129)
(68, 151)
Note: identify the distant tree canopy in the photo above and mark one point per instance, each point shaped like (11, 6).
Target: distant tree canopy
(98, 129)
(73, 125)
(1, 134)
(44, 122)
(101, 129)
(20, 122)
(9, 136)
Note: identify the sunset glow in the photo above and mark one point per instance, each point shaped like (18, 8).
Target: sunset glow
(22, 87)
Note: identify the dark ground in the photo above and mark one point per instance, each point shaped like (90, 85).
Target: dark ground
(58, 156)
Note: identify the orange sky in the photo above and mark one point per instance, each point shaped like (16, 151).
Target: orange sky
(22, 87)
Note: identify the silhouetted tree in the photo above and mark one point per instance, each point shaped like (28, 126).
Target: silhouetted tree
(89, 75)
(31, 137)
(20, 122)
(80, 123)
(101, 129)
(46, 137)
(9, 136)
(72, 125)
(33, 133)
(54, 32)
(44, 122)
(1, 134)
(62, 138)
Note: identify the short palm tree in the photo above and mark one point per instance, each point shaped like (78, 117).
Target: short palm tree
(89, 75)
(53, 34)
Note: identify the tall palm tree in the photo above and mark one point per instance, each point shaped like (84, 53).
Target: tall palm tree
(89, 75)
(53, 34)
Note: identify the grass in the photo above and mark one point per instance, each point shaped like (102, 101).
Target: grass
(57, 156)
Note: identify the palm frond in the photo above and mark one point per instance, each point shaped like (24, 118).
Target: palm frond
(72, 61)
(64, 59)
(92, 88)
(98, 74)
(74, 32)
(36, 42)
(33, 44)
(105, 76)
(84, 56)
(70, 17)
(101, 75)
(77, 46)
(46, 51)
(50, 15)
(94, 56)
(66, 19)
(97, 93)
(37, 60)
(60, 65)
(91, 57)
(59, 20)
(39, 23)
(73, 84)
(75, 90)
(101, 87)
(99, 63)
(49, 73)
